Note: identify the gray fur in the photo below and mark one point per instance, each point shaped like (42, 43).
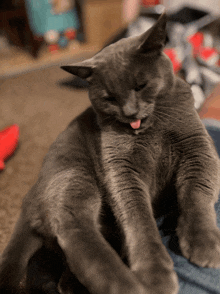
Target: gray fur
(103, 179)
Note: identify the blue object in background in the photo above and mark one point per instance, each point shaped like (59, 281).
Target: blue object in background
(63, 41)
(42, 19)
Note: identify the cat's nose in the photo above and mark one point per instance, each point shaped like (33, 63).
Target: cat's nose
(130, 109)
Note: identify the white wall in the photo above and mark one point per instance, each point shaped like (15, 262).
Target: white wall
(208, 5)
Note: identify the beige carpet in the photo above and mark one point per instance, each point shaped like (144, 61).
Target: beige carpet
(42, 109)
(15, 61)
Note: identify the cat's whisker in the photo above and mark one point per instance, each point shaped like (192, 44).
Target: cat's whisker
(158, 118)
(170, 106)
(167, 116)
(174, 112)
(176, 109)
(161, 118)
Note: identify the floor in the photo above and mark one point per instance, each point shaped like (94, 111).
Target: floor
(42, 104)
(15, 61)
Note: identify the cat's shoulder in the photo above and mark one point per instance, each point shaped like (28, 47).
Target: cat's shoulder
(85, 122)
(88, 117)
(79, 128)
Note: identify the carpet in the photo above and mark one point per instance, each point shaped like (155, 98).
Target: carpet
(42, 105)
(15, 61)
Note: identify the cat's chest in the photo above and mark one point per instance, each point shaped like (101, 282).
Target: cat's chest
(143, 152)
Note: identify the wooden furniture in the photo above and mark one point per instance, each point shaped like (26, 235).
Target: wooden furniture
(102, 19)
(211, 106)
(14, 22)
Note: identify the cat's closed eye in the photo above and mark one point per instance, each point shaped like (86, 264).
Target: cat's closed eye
(110, 99)
(140, 87)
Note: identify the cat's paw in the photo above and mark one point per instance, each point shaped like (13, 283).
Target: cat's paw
(201, 248)
(159, 281)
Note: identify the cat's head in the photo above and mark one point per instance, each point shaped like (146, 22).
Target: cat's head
(128, 77)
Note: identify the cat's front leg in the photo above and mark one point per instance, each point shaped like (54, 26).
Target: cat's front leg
(197, 189)
(74, 216)
(147, 256)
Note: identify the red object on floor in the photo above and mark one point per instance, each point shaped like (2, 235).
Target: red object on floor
(8, 142)
(150, 2)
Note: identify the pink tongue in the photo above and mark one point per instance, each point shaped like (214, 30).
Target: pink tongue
(136, 124)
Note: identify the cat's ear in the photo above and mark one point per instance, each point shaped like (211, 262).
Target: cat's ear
(82, 69)
(154, 39)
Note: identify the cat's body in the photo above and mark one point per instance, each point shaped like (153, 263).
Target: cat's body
(142, 145)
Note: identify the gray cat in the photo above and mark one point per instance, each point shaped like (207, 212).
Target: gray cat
(141, 143)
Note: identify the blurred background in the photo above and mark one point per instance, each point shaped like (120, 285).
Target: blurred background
(40, 33)
(37, 36)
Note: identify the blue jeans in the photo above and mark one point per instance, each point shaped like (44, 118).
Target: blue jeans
(194, 279)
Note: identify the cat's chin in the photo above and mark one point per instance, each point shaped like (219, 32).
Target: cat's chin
(146, 123)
